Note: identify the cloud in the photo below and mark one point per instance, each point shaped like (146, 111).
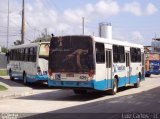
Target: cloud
(136, 9)
(151, 9)
(14, 22)
(101, 8)
(107, 8)
(40, 16)
(137, 37)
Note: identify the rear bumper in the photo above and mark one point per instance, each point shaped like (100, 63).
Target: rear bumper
(71, 84)
(41, 78)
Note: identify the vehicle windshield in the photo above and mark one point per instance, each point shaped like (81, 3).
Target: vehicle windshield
(44, 50)
(71, 54)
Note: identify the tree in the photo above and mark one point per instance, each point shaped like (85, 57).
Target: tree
(17, 42)
(3, 49)
(44, 37)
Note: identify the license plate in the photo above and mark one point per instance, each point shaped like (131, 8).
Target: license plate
(69, 75)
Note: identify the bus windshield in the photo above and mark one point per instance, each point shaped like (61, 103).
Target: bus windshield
(44, 50)
(71, 54)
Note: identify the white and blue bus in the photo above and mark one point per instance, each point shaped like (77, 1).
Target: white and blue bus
(29, 62)
(88, 62)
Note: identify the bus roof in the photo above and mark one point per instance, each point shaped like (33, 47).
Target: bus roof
(109, 41)
(116, 42)
(28, 45)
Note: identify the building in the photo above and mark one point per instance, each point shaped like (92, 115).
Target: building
(155, 44)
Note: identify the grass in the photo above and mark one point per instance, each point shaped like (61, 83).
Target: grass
(2, 88)
(3, 72)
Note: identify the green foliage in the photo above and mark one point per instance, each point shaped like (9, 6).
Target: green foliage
(43, 38)
(3, 72)
(2, 88)
(17, 42)
(4, 49)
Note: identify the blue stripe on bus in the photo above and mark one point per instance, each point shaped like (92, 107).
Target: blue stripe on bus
(97, 85)
(30, 78)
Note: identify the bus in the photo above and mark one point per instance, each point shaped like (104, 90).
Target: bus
(29, 62)
(84, 62)
(152, 64)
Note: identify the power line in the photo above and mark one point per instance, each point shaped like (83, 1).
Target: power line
(8, 26)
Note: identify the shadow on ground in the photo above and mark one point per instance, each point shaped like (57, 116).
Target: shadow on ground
(19, 83)
(144, 102)
(68, 95)
(11, 83)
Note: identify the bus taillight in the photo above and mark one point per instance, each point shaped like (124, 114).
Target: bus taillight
(91, 74)
(50, 72)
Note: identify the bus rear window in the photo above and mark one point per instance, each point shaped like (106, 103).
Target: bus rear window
(44, 50)
(71, 54)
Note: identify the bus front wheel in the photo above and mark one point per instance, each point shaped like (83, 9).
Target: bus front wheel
(115, 87)
(25, 79)
(10, 75)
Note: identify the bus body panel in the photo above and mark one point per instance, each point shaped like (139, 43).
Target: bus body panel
(19, 67)
(104, 76)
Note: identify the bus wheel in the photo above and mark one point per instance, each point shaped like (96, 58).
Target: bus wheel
(10, 75)
(115, 87)
(147, 75)
(136, 85)
(25, 79)
(78, 91)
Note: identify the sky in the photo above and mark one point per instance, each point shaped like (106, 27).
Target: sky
(134, 21)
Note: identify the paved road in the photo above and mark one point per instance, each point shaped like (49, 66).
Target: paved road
(47, 100)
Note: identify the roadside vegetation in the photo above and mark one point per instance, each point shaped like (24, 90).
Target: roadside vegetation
(3, 72)
(2, 88)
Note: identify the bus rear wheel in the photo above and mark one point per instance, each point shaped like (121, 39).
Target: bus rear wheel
(10, 75)
(78, 91)
(137, 85)
(147, 75)
(114, 90)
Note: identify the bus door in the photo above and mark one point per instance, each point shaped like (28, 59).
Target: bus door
(109, 68)
(127, 68)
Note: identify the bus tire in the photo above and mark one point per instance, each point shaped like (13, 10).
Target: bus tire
(10, 75)
(147, 75)
(137, 85)
(25, 79)
(114, 90)
(78, 91)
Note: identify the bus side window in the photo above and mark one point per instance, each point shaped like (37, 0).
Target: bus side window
(26, 54)
(121, 54)
(100, 53)
(139, 55)
(108, 59)
(115, 54)
(28, 57)
(31, 54)
(34, 54)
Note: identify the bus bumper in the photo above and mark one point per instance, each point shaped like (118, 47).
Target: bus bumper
(71, 84)
(41, 78)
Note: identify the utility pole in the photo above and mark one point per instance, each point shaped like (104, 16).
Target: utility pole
(23, 24)
(8, 26)
(82, 25)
